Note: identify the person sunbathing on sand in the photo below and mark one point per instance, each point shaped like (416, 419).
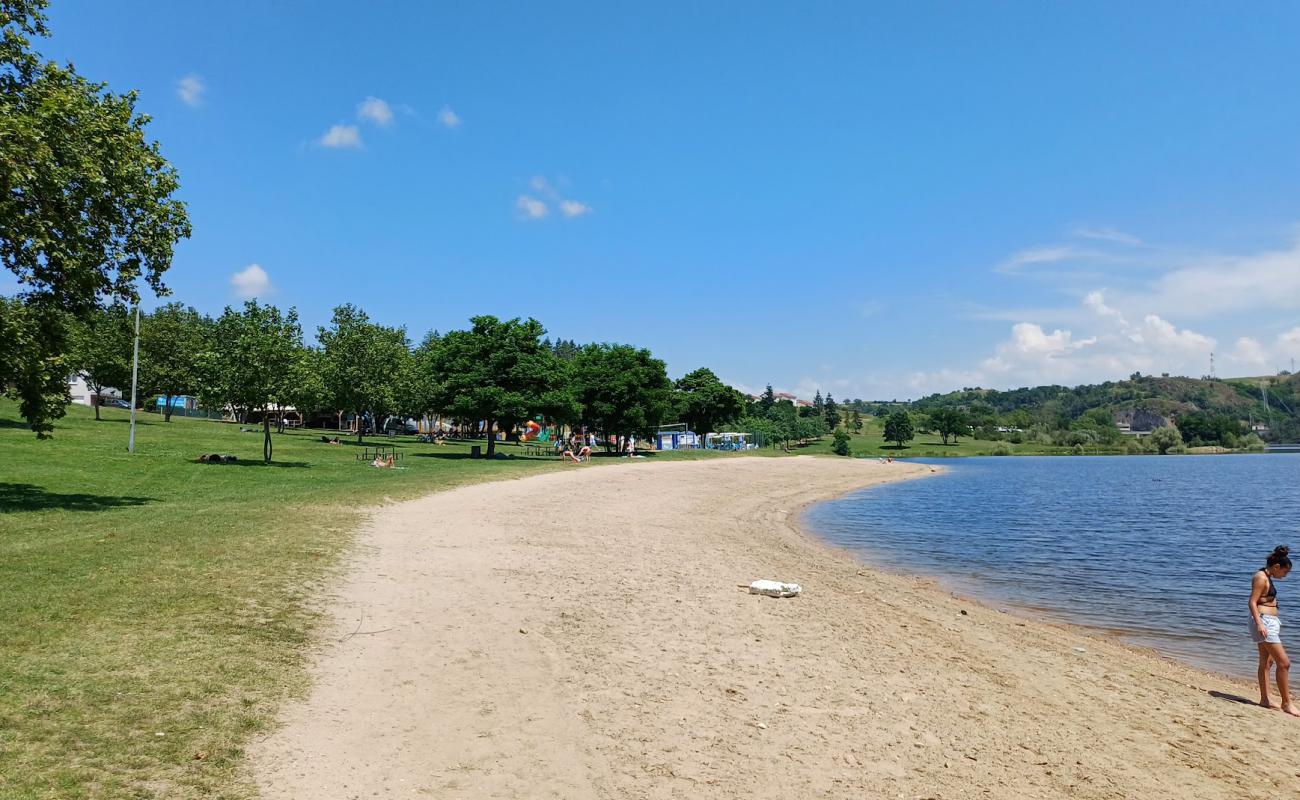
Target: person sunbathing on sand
(1266, 629)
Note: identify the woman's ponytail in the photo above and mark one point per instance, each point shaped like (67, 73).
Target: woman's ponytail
(1279, 558)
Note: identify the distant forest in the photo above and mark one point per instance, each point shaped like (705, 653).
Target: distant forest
(1205, 410)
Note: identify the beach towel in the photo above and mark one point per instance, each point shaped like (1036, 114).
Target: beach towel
(775, 588)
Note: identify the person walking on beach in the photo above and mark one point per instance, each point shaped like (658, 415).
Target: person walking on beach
(1266, 629)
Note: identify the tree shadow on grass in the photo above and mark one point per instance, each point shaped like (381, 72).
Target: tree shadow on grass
(456, 456)
(17, 497)
(260, 463)
(14, 423)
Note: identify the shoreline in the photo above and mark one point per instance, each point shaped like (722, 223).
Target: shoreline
(579, 633)
(944, 585)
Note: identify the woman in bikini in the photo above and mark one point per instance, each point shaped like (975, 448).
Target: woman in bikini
(1266, 629)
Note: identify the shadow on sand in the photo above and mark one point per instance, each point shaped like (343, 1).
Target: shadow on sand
(1232, 698)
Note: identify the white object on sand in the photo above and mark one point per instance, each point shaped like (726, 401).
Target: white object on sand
(775, 588)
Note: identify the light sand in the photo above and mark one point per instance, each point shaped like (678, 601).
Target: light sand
(580, 635)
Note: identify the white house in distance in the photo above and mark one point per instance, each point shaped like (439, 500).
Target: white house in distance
(81, 394)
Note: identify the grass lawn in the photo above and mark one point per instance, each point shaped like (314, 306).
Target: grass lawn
(871, 443)
(158, 609)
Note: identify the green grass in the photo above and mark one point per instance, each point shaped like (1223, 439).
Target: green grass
(149, 594)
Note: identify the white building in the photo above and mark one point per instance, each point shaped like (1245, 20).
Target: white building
(81, 394)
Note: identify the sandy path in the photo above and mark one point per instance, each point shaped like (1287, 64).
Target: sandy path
(580, 635)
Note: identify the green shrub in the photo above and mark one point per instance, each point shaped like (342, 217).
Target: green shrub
(1252, 443)
(1077, 450)
(840, 446)
(1002, 449)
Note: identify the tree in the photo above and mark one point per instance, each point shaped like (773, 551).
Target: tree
(949, 422)
(898, 428)
(819, 406)
(767, 400)
(86, 207)
(1166, 439)
(1209, 428)
(785, 422)
(856, 421)
(811, 427)
(171, 341)
(250, 365)
(703, 401)
(831, 411)
(497, 371)
(305, 389)
(622, 390)
(840, 445)
(361, 363)
(102, 348)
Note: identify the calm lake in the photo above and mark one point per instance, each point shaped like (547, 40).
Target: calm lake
(1156, 549)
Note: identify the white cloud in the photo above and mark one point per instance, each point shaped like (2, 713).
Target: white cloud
(251, 281)
(190, 90)
(1289, 342)
(569, 208)
(1107, 235)
(572, 208)
(341, 136)
(1039, 255)
(530, 207)
(1250, 355)
(375, 110)
(1225, 284)
(448, 118)
(869, 308)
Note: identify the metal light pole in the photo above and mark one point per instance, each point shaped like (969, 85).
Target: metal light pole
(135, 371)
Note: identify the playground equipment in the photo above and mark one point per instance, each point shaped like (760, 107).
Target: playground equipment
(675, 436)
(532, 430)
(731, 440)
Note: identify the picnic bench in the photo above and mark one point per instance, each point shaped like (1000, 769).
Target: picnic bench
(539, 449)
(379, 451)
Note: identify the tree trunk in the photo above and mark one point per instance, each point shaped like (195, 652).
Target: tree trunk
(167, 409)
(279, 422)
(266, 437)
(360, 427)
(491, 440)
(98, 402)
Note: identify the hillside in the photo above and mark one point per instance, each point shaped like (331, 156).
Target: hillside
(1144, 402)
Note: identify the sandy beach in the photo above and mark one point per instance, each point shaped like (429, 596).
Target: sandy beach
(581, 634)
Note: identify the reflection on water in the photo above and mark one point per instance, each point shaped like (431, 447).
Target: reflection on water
(1159, 549)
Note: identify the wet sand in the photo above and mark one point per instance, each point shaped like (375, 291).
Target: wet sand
(581, 634)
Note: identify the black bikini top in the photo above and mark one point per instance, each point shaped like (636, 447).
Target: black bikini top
(1271, 594)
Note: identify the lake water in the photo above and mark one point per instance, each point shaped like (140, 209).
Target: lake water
(1156, 549)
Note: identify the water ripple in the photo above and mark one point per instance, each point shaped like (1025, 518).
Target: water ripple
(1098, 541)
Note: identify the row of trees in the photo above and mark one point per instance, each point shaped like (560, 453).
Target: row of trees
(254, 360)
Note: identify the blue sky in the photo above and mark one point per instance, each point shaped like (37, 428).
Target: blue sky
(875, 200)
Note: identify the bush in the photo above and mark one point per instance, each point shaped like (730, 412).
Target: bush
(1135, 446)
(1016, 437)
(1165, 439)
(1002, 449)
(1252, 443)
(1077, 450)
(840, 446)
